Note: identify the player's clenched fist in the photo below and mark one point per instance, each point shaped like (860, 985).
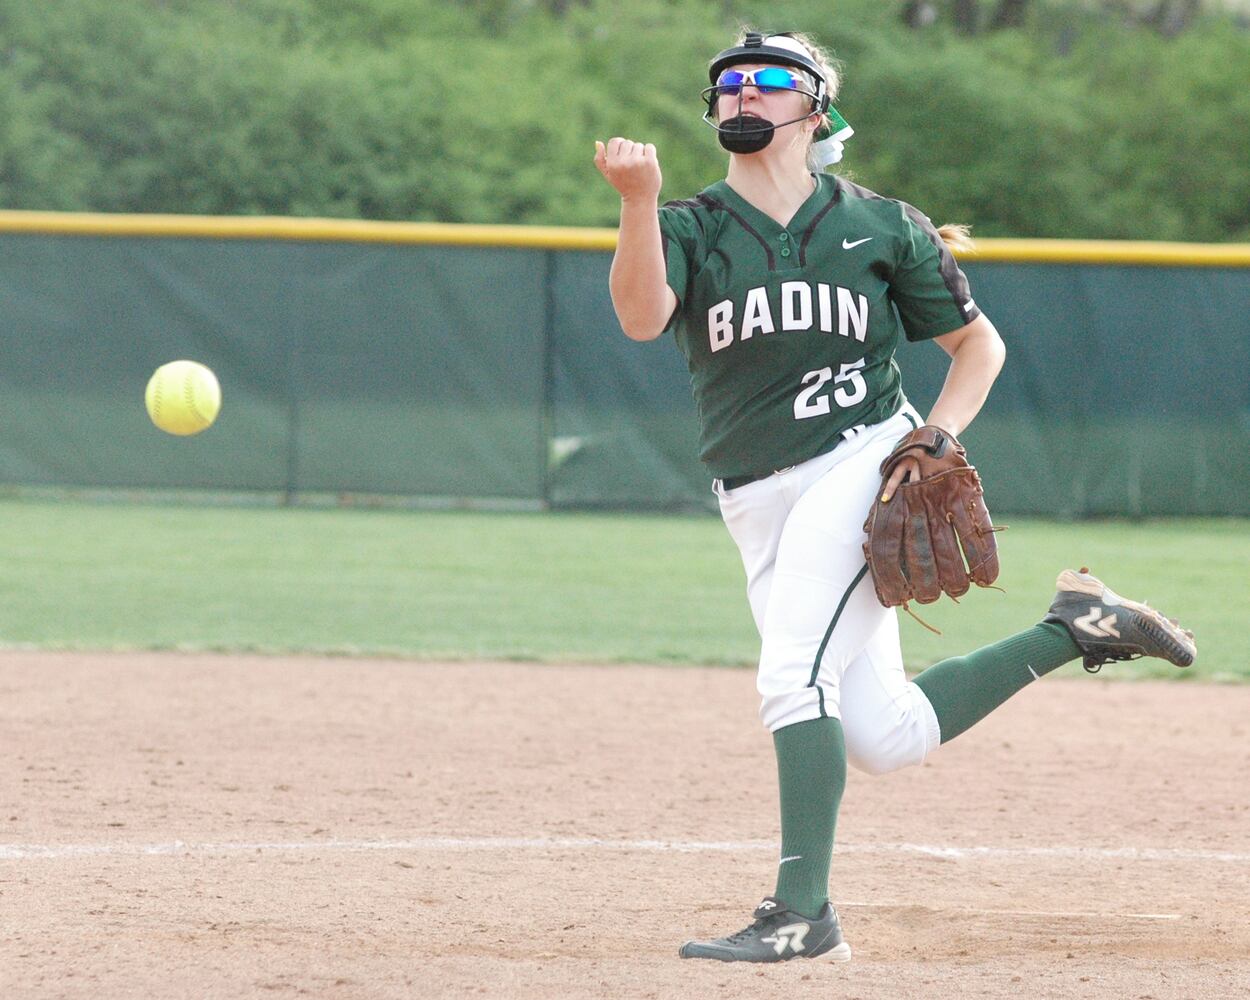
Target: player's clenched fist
(630, 167)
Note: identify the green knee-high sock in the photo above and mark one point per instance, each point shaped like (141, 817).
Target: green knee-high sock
(965, 689)
(811, 770)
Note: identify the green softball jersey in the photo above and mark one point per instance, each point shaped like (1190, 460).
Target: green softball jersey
(790, 331)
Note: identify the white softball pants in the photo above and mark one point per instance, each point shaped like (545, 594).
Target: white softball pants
(828, 647)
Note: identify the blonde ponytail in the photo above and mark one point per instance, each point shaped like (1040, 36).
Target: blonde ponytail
(957, 237)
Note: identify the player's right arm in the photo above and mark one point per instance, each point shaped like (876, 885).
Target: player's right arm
(640, 293)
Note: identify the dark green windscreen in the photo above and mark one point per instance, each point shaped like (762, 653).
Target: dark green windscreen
(497, 373)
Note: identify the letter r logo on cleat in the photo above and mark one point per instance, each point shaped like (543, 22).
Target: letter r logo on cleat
(791, 935)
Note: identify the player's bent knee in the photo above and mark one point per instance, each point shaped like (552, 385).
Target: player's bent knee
(897, 741)
(885, 747)
(887, 734)
(883, 759)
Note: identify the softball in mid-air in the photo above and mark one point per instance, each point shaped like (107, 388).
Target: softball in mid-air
(183, 397)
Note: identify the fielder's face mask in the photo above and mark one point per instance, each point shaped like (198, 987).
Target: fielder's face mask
(743, 133)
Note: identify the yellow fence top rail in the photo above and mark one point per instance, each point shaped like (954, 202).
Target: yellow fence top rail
(260, 227)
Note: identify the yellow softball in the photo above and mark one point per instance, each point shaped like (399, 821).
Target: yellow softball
(183, 397)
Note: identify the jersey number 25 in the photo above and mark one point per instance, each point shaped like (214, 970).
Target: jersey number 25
(850, 390)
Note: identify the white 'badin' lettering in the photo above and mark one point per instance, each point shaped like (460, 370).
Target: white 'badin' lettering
(720, 325)
(849, 315)
(800, 310)
(826, 310)
(796, 305)
(756, 316)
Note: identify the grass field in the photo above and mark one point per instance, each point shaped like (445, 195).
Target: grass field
(598, 588)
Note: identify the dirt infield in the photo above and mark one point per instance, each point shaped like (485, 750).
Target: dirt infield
(211, 826)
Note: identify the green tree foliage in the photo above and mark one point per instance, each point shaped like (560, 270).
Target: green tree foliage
(1053, 119)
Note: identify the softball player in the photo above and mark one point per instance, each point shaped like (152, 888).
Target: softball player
(788, 291)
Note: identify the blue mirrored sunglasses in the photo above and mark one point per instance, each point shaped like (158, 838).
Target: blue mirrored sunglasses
(767, 80)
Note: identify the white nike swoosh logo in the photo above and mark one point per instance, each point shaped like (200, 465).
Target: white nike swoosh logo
(848, 245)
(792, 857)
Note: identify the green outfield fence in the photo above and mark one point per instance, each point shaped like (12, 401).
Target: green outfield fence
(484, 364)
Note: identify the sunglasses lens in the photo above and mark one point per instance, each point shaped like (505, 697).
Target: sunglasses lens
(730, 82)
(774, 78)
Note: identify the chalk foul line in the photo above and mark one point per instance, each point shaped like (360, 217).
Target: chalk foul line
(17, 852)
